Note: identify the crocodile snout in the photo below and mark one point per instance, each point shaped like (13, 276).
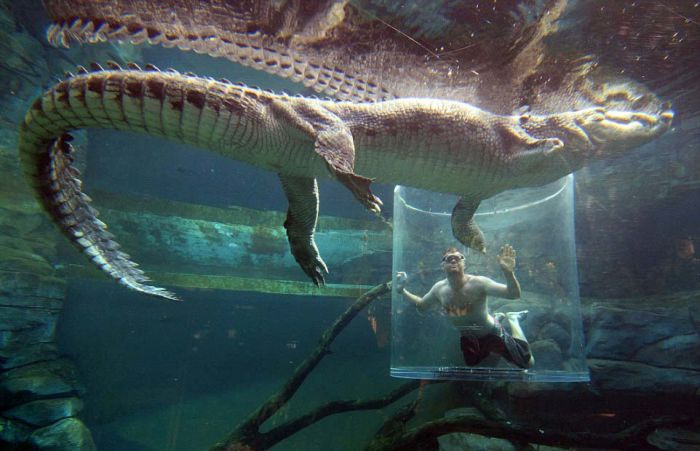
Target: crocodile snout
(626, 128)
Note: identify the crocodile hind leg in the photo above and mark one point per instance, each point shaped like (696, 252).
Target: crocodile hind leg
(464, 228)
(302, 215)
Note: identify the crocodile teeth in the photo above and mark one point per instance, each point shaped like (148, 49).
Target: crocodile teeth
(95, 38)
(88, 27)
(102, 28)
(139, 37)
(52, 34)
(96, 32)
(155, 38)
(75, 26)
(64, 38)
(116, 33)
(58, 35)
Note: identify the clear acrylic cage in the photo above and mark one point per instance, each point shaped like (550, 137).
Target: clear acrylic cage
(539, 224)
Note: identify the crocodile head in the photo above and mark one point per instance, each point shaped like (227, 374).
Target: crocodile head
(593, 134)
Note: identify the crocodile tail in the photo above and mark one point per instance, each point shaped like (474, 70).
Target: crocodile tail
(47, 161)
(183, 108)
(58, 188)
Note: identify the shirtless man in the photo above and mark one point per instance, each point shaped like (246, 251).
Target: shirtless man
(463, 298)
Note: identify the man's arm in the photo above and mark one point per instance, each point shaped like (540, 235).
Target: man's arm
(420, 302)
(511, 290)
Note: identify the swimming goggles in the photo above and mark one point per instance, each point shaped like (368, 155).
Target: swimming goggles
(452, 258)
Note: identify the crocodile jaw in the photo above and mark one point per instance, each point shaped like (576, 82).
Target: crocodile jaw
(616, 131)
(597, 133)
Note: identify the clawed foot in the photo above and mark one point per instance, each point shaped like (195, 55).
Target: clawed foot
(310, 261)
(315, 270)
(371, 203)
(359, 187)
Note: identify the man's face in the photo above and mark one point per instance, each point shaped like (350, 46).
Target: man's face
(453, 262)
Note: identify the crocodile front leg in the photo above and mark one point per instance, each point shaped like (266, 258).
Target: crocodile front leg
(333, 142)
(302, 215)
(464, 227)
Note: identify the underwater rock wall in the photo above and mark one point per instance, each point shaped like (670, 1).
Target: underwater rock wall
(645, 345)
(644, 359)
(39, 390)
(641, 345)
(23, 67)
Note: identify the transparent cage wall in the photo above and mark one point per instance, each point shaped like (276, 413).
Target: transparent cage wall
(539, 224)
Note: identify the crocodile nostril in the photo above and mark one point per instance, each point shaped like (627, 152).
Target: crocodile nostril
(667, 116)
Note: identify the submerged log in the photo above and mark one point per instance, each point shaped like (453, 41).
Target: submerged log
(247, 436)
(425, 436)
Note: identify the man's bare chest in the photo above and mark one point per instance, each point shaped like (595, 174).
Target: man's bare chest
(467, 296)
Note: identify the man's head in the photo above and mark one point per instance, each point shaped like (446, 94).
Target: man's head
(453, 261)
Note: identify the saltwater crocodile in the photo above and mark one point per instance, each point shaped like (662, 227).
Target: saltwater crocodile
(439, 145)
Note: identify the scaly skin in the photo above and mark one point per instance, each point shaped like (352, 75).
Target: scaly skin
(437, 145)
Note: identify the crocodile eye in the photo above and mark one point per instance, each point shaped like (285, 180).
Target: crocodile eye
(523, 119)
